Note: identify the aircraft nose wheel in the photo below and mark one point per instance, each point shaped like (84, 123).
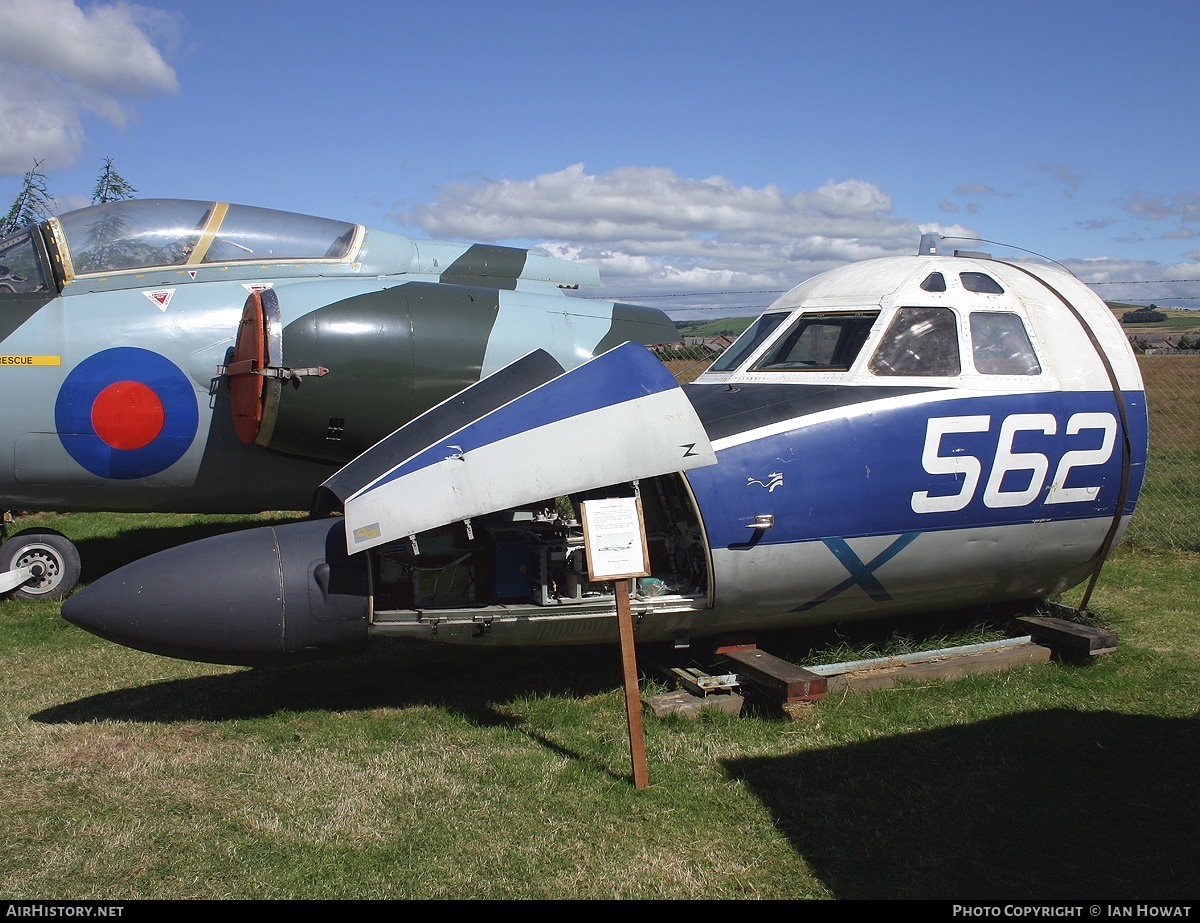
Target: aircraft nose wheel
(52, 558)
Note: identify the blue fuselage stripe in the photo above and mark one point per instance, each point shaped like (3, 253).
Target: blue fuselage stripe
(983, 461)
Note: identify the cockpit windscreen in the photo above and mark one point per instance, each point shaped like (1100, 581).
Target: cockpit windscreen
(20, 269)
(141, 233)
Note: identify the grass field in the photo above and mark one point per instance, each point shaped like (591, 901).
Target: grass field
(428, 772)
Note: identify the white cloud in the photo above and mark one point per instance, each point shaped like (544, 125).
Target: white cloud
(60, 63)
(1067, 178)
(1117, 279)
(650, 230)
(1182, 205)
(972, 189)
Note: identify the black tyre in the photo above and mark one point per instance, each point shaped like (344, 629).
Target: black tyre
(53, 557)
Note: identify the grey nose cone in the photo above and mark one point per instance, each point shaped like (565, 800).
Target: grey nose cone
(270, 595)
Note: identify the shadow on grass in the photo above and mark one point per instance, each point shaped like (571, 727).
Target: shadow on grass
(474, 683)
(391, 674)
(100, 556)
(1053, 804)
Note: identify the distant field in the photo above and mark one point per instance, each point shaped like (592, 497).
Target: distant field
(1173, 396)
(1178, 320)
(729, 326)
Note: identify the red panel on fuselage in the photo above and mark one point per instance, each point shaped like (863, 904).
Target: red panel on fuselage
(245, 385)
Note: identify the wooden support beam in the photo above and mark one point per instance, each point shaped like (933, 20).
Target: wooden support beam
(688, 705)
(783, 681)
(948, 663)
(1071, 637)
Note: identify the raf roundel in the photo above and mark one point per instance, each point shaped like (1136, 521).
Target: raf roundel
(126, 413)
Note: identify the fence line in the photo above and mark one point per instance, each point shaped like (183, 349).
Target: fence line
(1168, 513)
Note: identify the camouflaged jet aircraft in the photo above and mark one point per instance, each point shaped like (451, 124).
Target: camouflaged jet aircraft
(909, 434)
(168, 355)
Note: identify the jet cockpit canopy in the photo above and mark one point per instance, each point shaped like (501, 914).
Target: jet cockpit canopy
(142, 233)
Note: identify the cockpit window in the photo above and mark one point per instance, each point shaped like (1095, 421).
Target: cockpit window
(920, 341)
(749, 341)
(1000, 345)
(20, 269)
(819, 342)
(980, 282)
(139, 233)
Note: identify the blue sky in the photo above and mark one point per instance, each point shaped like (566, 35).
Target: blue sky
(683, 147)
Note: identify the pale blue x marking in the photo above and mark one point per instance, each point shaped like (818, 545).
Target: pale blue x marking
(861, 574)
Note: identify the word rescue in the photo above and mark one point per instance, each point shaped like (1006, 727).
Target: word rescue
(30, 360)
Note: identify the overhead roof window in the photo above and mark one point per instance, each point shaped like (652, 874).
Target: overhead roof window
(980, 282)
(934, 282)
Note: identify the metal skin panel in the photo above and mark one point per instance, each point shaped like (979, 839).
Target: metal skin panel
(503, 459)
(637, 324)
(853, 501)
(572, 330)
(487, 265)
(412, 346)
(815, 583)
(439, 423)
(367, 343)
(734, 411)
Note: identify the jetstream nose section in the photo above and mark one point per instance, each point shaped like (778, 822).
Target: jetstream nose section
(287, 593)
(271, 595)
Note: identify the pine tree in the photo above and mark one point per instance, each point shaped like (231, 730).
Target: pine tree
(33, 203)
(111, 186)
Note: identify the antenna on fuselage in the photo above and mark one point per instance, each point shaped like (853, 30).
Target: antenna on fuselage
(931, 245)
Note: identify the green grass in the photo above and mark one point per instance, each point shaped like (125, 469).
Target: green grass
(421, 771)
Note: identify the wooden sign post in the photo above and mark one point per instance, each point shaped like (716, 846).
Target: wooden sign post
(614, 535)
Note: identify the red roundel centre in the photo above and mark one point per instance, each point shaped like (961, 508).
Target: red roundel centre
(127, 415)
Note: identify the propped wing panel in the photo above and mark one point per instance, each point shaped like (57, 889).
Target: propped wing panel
(618, 417)
(516, 378)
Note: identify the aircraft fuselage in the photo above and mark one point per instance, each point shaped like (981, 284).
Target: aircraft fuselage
(908, 434)
(118, 324)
